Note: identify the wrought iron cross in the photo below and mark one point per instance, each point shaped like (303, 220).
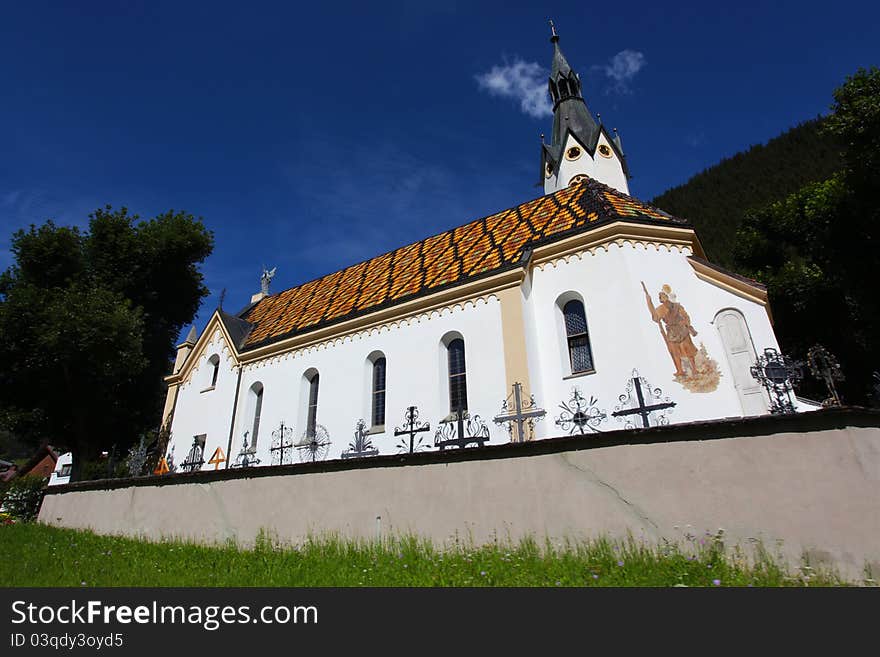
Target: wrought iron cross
(641, 408)
(282, 445)
(194, 459)
(778, 374)
(824, 366)
(520, 415)
(411, 426)
(361, 446)
(580, 415)
(246, 457)
(464, 431)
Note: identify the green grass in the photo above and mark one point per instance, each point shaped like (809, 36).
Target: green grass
(39, 555)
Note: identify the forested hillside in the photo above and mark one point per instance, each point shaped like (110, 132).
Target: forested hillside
(717, 199)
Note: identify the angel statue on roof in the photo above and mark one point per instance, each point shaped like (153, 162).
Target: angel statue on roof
(266, 278)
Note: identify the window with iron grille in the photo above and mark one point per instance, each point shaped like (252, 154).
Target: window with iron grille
(312, 420)
(457, 376)
(379, 392)
(580, 355)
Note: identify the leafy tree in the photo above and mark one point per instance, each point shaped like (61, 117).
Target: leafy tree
(817, 250)
(89, 321)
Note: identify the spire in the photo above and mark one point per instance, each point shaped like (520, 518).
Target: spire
(192, 336)
(570, 113)
(560, 63)
(575, 150)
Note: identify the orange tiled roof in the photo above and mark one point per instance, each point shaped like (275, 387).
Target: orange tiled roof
(481, 247)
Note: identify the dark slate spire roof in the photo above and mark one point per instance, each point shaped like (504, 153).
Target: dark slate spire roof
(570, 111)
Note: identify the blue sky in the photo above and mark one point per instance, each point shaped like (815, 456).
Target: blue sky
(311, 138)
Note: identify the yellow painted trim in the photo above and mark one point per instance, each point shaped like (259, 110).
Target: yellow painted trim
(619, 231)
(732, 284)
(213, 323)
(516, 365)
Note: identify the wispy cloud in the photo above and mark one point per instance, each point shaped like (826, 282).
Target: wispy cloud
(622, 68)
(523, 81)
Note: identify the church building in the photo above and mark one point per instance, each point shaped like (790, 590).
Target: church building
(579, 312)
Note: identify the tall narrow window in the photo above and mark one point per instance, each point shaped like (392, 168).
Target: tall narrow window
(578, 340)
(379, 392)
(312, 416)
(215, 362)
(258, 409)
(457, 376)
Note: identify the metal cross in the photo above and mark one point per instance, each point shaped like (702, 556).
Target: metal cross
(411, 426)
(520, 415)
(361, 446)
(246, 457)
(222, 299)
(463, 432)
(824, 366)
(778, 374)
(282, 445)
(642, 409)
(580, 415)
(194, 459)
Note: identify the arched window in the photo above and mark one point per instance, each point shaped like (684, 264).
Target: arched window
(312, 409)
(554, 94)
(579, 353)
(378, 392)
(257, 401)
(457, 376)
(215, 365)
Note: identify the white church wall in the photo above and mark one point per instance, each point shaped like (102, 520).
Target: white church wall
(416, 375)
(201, 409)
(624, 337)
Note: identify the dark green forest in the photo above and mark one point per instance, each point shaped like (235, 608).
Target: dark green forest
(717, 199)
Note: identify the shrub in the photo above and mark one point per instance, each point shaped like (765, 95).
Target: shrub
(23, 497)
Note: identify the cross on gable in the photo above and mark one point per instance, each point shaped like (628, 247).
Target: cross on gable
(521, 414)
(411, 426)
(638, 406)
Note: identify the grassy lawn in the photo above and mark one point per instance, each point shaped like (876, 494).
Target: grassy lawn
(38, 555)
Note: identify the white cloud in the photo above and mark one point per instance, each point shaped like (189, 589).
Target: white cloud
(622, 68)
(522, 81)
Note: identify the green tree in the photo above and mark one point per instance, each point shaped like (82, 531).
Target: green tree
(817, 250)
(89, 320)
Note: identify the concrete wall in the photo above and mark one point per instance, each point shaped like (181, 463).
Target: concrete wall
(811, 482)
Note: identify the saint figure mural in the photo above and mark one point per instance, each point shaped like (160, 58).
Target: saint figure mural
(693, 367)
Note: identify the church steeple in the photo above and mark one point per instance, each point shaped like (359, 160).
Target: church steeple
(576, 131)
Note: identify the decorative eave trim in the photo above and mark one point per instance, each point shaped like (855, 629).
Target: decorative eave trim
(617, 232)
(425, 304)
(734, 285)
(213, 323)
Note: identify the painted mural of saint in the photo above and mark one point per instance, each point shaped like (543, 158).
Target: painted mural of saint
(693, 367)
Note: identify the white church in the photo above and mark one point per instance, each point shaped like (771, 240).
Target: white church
(600, 308)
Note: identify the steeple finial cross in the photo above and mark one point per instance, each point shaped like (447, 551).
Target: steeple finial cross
(555, 36)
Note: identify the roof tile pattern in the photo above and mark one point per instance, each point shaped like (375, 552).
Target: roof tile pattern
(481, 247)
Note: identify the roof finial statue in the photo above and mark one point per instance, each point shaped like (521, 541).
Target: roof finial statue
(265, 279)
(555, 37)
